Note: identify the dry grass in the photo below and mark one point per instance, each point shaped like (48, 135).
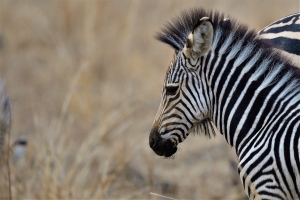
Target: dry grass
(84, 80)
(5, 123)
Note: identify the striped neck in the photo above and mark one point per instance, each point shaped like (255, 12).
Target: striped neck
(248, 84)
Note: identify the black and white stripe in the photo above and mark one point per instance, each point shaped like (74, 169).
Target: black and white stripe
(250, 92)
(284, 34)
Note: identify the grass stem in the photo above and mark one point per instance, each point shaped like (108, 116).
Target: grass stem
(8, 166)
(159, 195)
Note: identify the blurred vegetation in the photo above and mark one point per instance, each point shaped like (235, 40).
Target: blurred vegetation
(84, 81)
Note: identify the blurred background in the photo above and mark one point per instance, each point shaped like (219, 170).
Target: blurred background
(84, 80)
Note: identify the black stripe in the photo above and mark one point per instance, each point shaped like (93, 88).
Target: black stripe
(286, 44)
(291, 27)
(288, 143)
(278, 139)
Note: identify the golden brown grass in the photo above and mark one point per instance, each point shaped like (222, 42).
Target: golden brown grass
(84, 79)
(5, 123)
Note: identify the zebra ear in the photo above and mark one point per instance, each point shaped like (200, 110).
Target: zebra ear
(200, 39)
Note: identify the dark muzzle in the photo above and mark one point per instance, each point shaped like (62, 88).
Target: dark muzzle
(161, 146)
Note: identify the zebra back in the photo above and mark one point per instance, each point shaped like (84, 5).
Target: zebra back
(284, 35)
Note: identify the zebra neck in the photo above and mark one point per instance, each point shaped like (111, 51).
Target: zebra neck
(248, 87)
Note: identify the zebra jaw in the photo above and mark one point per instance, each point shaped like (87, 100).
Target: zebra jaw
(161, 146)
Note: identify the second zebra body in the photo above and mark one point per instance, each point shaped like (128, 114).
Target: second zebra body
(284, 35)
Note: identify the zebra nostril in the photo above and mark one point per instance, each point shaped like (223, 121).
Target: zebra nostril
(152, 142)
(154, 138)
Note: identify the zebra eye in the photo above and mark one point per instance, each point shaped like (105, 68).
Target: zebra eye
(171, 90)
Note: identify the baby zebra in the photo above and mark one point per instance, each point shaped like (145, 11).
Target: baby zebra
(223, 75)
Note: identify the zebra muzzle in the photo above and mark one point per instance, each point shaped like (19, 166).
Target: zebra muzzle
(161, 146)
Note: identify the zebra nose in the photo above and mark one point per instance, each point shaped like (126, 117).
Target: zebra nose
(155, 142)
(154, 138)
(151, 142)
(162, 147)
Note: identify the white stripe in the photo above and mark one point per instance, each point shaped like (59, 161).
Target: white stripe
(275, 24)
(282, 152)
(284, 96)
(262, 147)
(292, 155)
(246, 68)
(293, 58)
(287, 34)
(279, 173)
(257, 118)
(262, 68)
(262, 86)
(224, 46)
(234, 50)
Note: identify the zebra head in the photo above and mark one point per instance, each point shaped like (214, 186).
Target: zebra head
(183, 106)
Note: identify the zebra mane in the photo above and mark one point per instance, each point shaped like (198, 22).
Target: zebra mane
(175, 33)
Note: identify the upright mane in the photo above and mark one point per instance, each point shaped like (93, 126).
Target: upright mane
(175, 33)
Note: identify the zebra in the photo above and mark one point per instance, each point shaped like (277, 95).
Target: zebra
(284, 35)
(5, 121)
(223, 76)
(5, 114)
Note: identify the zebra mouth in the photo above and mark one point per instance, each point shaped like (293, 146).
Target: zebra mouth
(164, 148)
(161, 146)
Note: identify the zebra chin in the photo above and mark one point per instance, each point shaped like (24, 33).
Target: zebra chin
(161, 146)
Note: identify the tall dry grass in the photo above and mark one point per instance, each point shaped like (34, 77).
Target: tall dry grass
(84, 79)
(5, 123)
